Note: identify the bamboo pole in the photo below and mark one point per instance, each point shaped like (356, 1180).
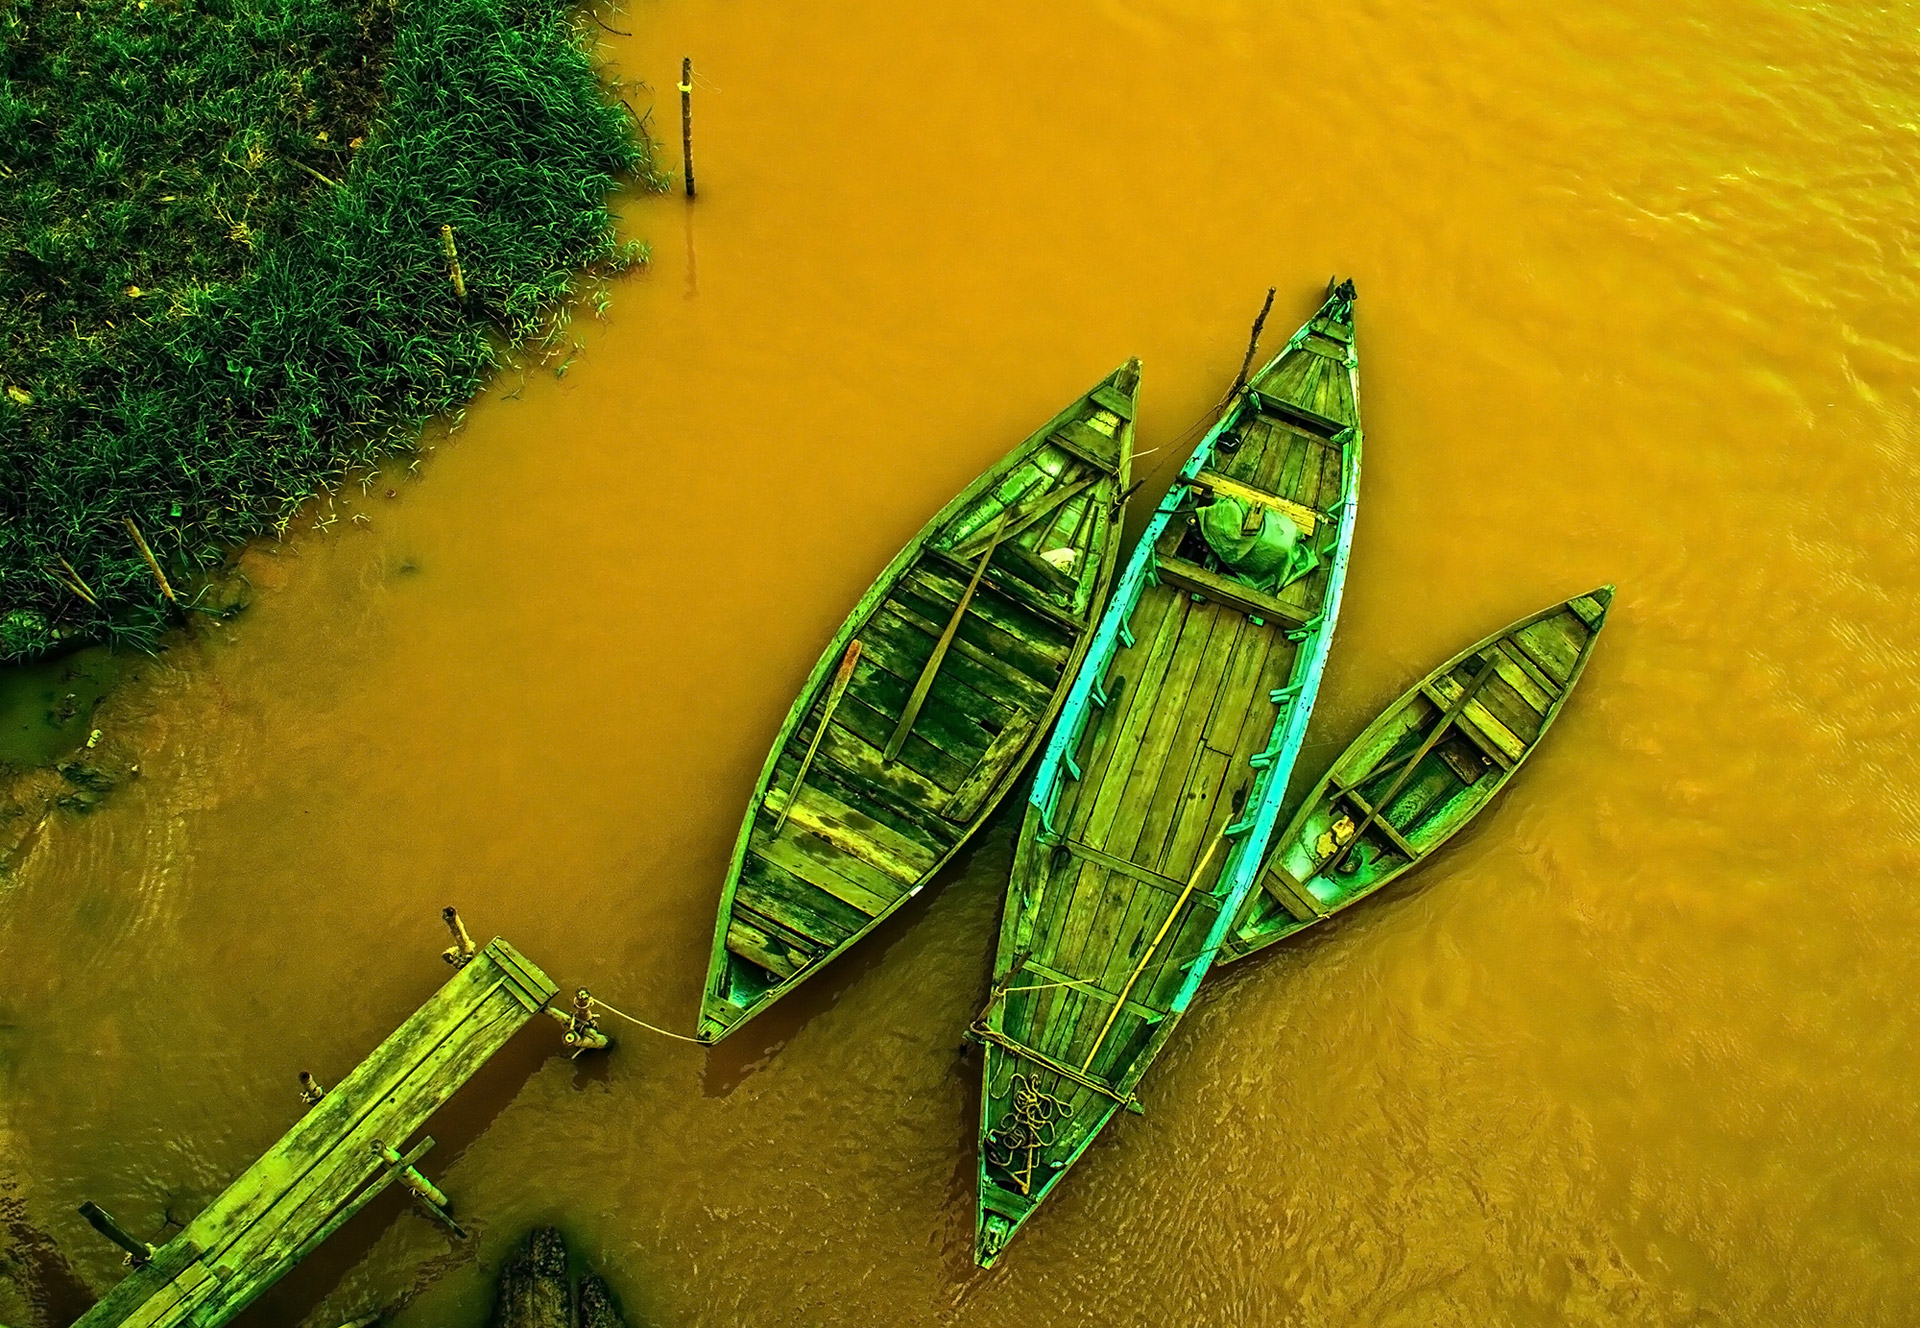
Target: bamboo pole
(839, 689)
(924, 683)
(71, 580)
(1239, 801)
(153, 563)
(458, 277)
(686, 118)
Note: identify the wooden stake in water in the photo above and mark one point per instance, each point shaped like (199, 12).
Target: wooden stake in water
(461, 952)
(686, 118)
(139, 1253)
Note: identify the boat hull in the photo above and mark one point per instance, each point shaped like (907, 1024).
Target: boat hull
(924, 707)
(1420, 772)
(1160, 785)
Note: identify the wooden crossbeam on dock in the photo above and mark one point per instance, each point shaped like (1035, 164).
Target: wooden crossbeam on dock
(337, 1158)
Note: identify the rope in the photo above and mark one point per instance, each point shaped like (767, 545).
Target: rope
(1173, 447)
(651, 1028)
(1064, 982)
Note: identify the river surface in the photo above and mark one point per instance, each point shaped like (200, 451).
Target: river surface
(1637, 296)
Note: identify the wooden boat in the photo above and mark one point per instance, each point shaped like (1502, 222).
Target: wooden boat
(1160, 785)
(925, 706)
(1420, 771)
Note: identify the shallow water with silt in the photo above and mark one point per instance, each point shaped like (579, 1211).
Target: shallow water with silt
(1637, 304)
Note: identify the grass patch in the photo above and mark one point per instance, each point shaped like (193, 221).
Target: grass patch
(224, 277)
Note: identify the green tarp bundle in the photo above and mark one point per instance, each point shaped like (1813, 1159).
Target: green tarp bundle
(1267, 550)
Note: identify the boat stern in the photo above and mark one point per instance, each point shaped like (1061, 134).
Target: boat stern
(998, 1215)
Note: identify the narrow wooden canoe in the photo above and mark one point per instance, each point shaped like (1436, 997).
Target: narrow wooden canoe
(933, 695)
(1160, 785)
(1420, 771)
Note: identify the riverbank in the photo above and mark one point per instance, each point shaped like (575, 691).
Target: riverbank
(256, 248)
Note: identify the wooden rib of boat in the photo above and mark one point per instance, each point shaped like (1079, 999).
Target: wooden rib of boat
(1160, 785)
(1420, 771)
(925, 705)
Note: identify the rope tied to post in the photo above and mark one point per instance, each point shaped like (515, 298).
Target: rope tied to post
(651, 1028)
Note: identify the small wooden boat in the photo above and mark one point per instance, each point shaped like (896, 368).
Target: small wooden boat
(925, 706)
(1160, 785)
(1420, 771)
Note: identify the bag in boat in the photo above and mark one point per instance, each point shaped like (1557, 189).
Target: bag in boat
(1263, 548)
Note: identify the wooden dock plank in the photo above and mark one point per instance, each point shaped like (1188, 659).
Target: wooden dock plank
(255, 1230)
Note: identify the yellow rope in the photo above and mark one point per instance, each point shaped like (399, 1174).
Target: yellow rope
(682, 1037)
(1064, 982)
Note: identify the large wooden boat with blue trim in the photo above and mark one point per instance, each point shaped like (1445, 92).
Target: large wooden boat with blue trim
(1422, 770)
(925, 706)
(1159, 787)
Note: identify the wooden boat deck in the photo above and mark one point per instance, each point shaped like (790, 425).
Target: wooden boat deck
(1141, 833)
(975, 618)
(325, 1168)
(1418, 773)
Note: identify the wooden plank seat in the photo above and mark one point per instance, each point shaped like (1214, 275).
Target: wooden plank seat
(1214, 482)
(1311, 419)
(1019, 591)
(1224, 590)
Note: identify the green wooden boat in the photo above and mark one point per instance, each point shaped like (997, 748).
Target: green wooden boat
(1420, 771)
(925, 705)
(1160, 786)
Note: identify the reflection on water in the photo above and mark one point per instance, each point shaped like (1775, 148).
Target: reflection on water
(1636, 306)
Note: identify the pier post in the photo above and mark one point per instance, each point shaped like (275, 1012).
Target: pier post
(430, 1196)
(583, 1025)
(139, 1253)
(686, 118)
(461, 952)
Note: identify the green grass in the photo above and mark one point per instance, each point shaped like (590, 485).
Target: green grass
(199, 331)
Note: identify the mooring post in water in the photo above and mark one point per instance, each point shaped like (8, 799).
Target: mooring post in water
(139, 1253)
(1253, 344)
(686, 118)
(583, 1025)
(310, 1090)
(461, 952)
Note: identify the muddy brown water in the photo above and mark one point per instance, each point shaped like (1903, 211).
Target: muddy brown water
(1637, 305)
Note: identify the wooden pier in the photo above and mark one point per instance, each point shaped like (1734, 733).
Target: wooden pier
(336, 1159)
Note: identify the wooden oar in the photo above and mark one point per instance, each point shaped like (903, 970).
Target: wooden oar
(925, 681)
(839, 689)
(1467, 693)
(1206, 859)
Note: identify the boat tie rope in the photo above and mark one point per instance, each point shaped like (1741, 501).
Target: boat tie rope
(651, 1028)
(1032, 1122)
(1063, 982)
